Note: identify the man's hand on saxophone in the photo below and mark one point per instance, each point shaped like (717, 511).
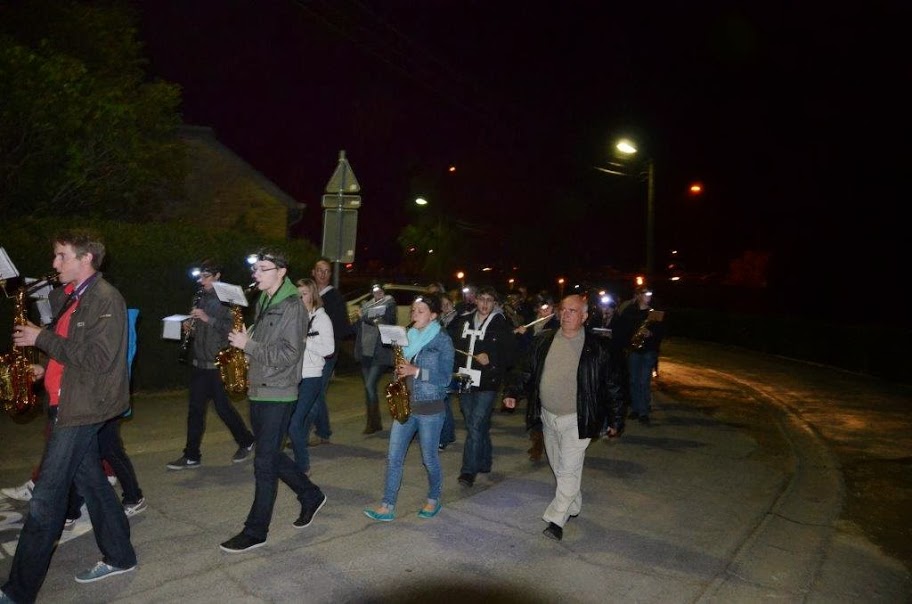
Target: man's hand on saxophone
(25, 335)
(238, 338)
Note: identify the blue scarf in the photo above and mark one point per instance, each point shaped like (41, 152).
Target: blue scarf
(419, 337)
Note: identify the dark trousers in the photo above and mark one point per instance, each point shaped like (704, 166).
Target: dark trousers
(270, 464)
(71, 459)
(207, 384)
(477, 407)
(112, 450)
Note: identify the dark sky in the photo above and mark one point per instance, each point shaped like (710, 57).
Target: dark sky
(789, 116)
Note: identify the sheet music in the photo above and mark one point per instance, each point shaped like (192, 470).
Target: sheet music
(7, 268)
(230, 294)
(393, 334)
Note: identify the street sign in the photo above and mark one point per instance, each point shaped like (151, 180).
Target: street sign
(348, 202)
(339, 228)
(343, 179)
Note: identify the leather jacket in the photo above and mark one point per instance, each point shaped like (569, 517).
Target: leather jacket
(598, 386)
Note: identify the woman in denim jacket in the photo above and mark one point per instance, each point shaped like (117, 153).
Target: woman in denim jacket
(427, 368)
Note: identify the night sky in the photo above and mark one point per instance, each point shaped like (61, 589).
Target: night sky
(788, 115)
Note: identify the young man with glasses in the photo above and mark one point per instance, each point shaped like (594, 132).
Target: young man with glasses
(210, 321)
(485, 348)
(274, 346)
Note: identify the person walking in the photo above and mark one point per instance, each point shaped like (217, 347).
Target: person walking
(319, 344)
(86, 378)
(486, 348)
(642, 331)
(571, 385)
(374, 357)
(274, 347)
(342, 330)
(428, 359)
(211, 321)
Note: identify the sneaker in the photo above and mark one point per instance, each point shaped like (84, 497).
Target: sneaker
(132, 509)
(21, 493)
(307, 515)
(69, 523)
(5, 599)
(183, 463)
(466, 480)
(241, 543)
(242, 453)
(101, 571)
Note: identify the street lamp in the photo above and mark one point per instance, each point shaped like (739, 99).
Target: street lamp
(628, 148)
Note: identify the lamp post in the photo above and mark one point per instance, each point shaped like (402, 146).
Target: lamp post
(627, 148)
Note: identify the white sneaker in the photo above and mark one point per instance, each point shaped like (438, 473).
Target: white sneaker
(112, 480)
(20, 493)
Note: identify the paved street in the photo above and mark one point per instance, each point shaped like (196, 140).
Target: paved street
(736, 493)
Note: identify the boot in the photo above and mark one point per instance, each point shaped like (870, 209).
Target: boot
(538, 445)
(374, 424)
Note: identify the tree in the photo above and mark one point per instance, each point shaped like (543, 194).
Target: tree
(81, 131)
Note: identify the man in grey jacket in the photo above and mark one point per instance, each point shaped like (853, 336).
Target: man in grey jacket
(274, 346)
(211, 322)
(86, 378)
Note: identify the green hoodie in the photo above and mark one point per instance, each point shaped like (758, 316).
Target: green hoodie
(275, 348)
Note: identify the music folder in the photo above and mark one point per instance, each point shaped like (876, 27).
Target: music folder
(171, 326)
(393, 334)
(230, 294)
(7, 268)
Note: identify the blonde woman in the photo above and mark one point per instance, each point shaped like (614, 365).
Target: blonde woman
(319, 344)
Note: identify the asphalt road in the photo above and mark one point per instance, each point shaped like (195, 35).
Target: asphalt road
(760, 478)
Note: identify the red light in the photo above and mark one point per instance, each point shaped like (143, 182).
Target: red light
(696, 188)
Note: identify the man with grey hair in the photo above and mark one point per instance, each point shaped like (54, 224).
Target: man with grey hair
(572, 385)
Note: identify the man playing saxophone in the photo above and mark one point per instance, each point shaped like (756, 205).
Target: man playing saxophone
(87, 380)
(643, 337)
(211, 323)
(274, 345)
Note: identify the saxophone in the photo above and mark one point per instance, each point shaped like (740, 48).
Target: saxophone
(231, 361)
(638, 341)
(397, 392)
(17, 394)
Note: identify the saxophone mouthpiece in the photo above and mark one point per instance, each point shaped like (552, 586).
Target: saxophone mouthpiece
(250, 287)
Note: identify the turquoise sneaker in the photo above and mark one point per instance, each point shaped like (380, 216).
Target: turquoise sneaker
(374, 515)
(423, 513)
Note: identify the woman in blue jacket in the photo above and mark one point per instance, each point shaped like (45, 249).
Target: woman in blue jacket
(427, 369)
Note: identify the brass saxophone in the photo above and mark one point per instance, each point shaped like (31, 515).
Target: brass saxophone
(17, 394)
(231, 361)
(397, 392)
(638, 341)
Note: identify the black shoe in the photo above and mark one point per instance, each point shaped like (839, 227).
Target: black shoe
(442, 446)
(488, 471)
(371, 429)
(307, 514)
(182, 463)
(466, 480)
(553, 532)
(633, 415)
(241, 543)
(574, 516)
(644, 419)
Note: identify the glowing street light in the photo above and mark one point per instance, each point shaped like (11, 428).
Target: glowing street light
(421, 201)
(626, 147)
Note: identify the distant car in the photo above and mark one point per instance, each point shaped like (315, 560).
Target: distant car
(404, 295)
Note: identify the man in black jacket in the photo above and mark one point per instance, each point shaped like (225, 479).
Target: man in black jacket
(571, 385)
(486, 350)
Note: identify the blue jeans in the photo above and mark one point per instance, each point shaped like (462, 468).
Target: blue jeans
(302, 419)
(640, 366)
(270, 464)
(71, 457)
(207, 384)
(428, 429)
(448, 434)
(477, 407)
(320, 419)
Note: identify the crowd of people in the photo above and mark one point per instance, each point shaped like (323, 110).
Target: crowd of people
(581, 364)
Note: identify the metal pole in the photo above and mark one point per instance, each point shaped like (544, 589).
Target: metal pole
(650, 219)
(337, 262)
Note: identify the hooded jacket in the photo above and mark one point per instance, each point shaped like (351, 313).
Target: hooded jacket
(275, 348)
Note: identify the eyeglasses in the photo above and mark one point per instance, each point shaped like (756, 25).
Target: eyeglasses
(256, 269)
